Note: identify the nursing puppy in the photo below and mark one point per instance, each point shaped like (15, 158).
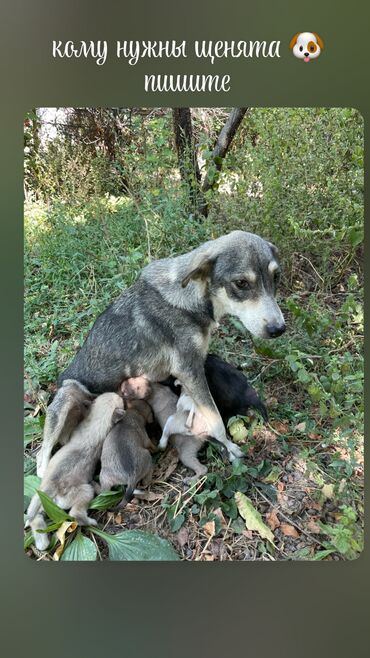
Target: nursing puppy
(230, 389)
(69, 407)
(126, 451)
(164, 402)
(161, 325)
(69, 474)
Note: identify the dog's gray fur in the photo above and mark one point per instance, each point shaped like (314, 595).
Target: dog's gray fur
(161, 325)
(126, 451)
(69, 474)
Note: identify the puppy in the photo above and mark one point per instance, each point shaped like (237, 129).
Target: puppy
(164, 402)
(65, 412)
(126, 451)
(135, 388)
(231, 390)
(306, 45)
(68, 477)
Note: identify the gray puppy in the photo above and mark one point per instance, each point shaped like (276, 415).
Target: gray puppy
(161, 325)
(69, 407)
(68, 477)
(164, 403)
(126, 451)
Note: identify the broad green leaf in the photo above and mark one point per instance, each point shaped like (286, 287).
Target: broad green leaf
(137, 545)
(29, 466)
(321, 555)
(81, 548)
(252, 518)
(28, 539)
(238, 430)
(107, 499)
(32, 430)
(52, 510)
(177, 522)
(31, 484)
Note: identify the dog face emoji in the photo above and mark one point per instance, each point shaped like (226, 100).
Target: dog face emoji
(306, 45)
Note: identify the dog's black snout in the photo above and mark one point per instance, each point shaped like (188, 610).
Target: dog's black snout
(275, 330)
(307, 54)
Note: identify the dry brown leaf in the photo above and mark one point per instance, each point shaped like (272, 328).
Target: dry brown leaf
(150, 496)
(182, 536)
(209, 527)
(289, 530)
(313, 527)
(280, 427)
(209, 558)
(301, 427)
(219, 514)
(272, 520)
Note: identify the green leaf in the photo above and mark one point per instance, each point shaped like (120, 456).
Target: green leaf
(32, 430)
(137, 545)
(252, 518)
(29, 466)
(52, 510)
(177, 522)
(320, 555)
(107, 499)
(81, 548)
(31, 484)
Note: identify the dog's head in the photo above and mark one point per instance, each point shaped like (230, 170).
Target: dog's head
(306, 45)
(242, 272)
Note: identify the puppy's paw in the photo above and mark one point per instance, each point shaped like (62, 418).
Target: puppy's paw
(41, 540)
(41, 465)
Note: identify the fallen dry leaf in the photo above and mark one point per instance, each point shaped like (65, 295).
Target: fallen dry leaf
(289, 530)
(313, 527)
(280, 427)
(182, 536)
(252, 517)
(209, 527)
(218, 512)
(66, 527)
(272, 520)
(301, 427)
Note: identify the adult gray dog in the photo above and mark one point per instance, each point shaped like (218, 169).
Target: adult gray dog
(161, 326)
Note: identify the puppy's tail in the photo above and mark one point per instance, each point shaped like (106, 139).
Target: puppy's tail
(129, 494)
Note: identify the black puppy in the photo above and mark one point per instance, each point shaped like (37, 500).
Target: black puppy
(230, 389)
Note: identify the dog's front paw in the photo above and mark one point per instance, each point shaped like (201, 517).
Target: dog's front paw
(162, 445)
(234, 452)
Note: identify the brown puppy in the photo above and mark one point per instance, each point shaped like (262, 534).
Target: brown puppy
(164, 402)
(69, 474)
(125, 456)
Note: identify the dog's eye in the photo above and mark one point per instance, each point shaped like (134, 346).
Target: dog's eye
(242, 284)
(301, 48)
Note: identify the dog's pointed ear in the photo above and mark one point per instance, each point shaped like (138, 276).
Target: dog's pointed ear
(274, 249)
(319, 40)
(200, 268)
(293, 41)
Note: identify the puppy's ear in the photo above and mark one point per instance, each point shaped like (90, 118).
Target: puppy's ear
(319, 40)
(200, 269)
(117, 415)
(293, 41)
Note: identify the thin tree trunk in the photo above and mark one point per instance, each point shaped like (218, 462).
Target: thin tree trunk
(224, 140)
(186, 152)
